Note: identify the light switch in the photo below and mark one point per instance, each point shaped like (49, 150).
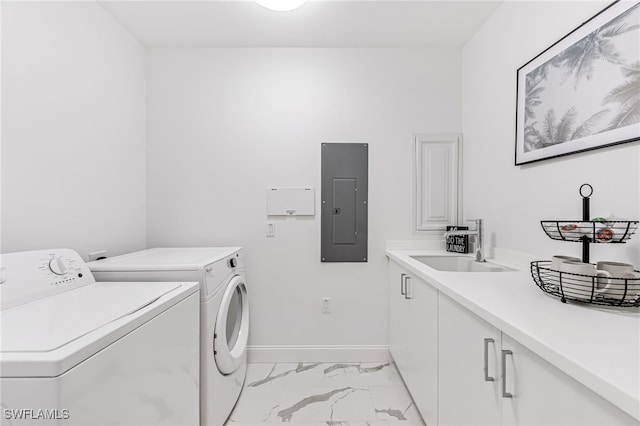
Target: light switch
(271, 229)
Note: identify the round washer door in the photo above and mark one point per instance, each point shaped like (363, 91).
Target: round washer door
(232, 327)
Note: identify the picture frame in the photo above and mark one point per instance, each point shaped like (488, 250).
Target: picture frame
(583, 92)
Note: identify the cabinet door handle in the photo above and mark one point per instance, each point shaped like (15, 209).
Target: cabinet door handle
(487, 378)
(402, 277)
(407, 287)
(505, 394)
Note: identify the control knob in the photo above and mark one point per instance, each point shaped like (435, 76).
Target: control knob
(233, 262)
(58, 266)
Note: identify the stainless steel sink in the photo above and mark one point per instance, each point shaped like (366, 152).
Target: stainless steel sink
(459, 264)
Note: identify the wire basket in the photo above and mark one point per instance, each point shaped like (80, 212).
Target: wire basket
(616, 231)
(567, 286)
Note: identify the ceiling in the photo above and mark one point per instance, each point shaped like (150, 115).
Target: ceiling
(318, 23)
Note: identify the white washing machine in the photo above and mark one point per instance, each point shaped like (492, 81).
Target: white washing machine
(78, 352)
(224, 313)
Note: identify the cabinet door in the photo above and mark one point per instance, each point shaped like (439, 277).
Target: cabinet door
(423, 348)
(467, 396)
(438, 200)
(544, 395)
(398, 318)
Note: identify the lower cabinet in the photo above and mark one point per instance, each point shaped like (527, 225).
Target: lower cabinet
(422, 349)
(469, 352)
(487, 378)
(544, 395)
(398, 318)
(461, 370)
(413, 338)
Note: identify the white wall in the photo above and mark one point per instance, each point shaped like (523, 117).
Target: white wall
(225, 124)
(514, 199)
(73, 134)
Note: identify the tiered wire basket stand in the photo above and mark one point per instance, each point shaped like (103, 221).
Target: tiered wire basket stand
(621, 291)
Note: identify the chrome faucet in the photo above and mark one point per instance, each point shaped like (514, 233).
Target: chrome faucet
(478, 235)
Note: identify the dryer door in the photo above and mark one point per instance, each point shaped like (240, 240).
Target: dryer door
(232, 327)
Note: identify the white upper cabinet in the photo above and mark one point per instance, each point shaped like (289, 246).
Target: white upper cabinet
(437, 180)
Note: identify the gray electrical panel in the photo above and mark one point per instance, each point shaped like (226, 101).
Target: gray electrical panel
(344, 194)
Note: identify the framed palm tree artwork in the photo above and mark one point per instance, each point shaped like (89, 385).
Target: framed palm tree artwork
(583, 92)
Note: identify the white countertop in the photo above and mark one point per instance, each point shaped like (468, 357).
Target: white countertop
(597, 346)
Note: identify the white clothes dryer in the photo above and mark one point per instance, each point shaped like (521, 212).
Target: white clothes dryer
(74, 351)
(224, 313)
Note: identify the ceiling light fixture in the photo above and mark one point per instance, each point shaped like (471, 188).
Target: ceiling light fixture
(281, 5)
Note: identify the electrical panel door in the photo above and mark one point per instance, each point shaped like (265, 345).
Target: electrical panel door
(344, 196)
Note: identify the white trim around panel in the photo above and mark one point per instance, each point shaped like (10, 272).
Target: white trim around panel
(437, 181)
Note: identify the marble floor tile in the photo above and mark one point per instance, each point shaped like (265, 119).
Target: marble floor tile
(325, 404)
(290, 375)
(364, 374)
(327, 394)
(393, 403)
(257, 405)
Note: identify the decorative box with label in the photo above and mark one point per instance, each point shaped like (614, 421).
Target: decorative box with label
(457, 243)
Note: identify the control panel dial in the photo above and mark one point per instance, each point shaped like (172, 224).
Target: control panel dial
(58, 266)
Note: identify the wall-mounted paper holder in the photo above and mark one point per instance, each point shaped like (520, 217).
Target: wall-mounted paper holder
(291, 201)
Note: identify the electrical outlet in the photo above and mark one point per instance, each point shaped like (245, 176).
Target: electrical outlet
(97, 255)
(326, 305)
(271, 229)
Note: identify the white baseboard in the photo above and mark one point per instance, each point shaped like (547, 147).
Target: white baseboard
(313, 353)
